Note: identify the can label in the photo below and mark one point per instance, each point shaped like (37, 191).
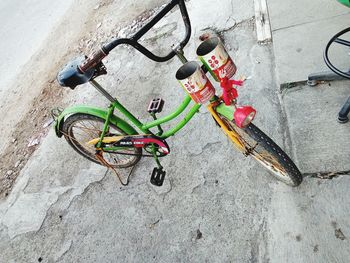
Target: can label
(214, 56)
(197, 85)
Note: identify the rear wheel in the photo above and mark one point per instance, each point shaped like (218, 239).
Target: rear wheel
(79, 128)
(267, 152)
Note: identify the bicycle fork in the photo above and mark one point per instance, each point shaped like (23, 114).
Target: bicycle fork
(231, 134)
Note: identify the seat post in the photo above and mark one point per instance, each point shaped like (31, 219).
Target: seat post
(102, 90)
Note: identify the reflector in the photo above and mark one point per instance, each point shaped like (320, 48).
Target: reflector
(244, 115)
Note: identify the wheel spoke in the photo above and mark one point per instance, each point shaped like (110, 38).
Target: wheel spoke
(83, 128)
(342, 42)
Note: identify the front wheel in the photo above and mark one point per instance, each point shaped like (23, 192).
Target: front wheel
(263, 149)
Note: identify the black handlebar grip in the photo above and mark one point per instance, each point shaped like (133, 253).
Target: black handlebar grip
(95, 58)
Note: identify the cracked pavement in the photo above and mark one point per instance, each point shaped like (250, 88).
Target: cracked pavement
(216, 205)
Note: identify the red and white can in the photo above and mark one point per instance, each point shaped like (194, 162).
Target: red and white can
(214, 56)
(195, 82)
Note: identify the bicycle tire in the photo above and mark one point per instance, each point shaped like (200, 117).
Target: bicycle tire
(80, 146)
(265, 151)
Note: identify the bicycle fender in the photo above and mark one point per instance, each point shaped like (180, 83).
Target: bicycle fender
(226, 110)
(98, 112)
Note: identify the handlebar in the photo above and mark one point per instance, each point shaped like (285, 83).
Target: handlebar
(97, 56)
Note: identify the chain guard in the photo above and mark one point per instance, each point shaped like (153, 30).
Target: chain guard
(141, 141)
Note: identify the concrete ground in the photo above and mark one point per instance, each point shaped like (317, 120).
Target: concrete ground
(320, 144)
(300, 32)
(215, 205)
(21, 42)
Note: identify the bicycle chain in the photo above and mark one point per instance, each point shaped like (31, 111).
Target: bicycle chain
(132, 154)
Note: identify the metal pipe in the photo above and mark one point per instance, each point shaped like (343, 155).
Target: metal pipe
(183, 122)
(180, 54)
(102, 91)
(343, 114)
(169, 117)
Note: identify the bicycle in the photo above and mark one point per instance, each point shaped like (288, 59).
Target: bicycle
(102, 137)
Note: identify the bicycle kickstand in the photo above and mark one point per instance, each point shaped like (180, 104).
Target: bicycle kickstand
(103, 162)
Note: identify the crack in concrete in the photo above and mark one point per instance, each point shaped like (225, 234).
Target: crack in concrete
(139, 21)
(4, 229)
(283, 118)
(296, 85)
(232, 7)
(19, 221)
(287, 137)
(64, 250)
(206, 146)
(70, 201)
(221, 31)
(201, 184)
(48, 209)
(265, 238)
(86, 189)
(310, 22)
(326, 175)
(257, 252)
(131, 187)
(170, 188)
(21, 185)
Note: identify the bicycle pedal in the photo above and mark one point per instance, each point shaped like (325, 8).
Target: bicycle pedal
(158, 176)
(156, 105)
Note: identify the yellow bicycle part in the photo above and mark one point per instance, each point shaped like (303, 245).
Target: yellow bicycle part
(111, 139)
(231, 134)
(105, 140)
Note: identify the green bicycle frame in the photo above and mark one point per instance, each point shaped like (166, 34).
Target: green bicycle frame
(110, 118)
(145, 128)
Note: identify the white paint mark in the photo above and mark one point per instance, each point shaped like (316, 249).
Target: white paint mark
(262, 20)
